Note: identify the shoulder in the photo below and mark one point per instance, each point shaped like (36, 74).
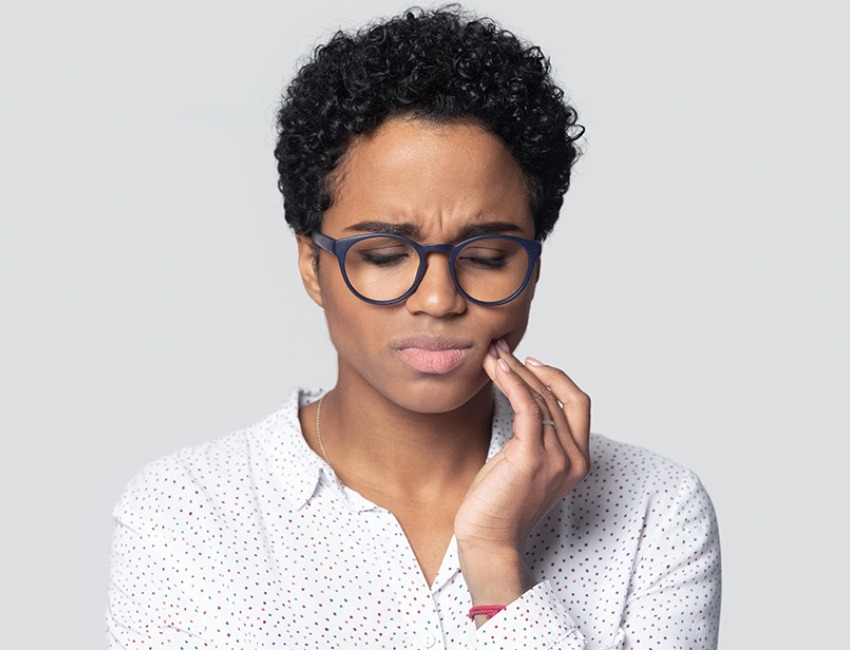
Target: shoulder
(662, 503)
(638, 505)
(619, 460)
(644, 481)
(216, 473)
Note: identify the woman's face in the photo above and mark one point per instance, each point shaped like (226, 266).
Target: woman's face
(436, 183)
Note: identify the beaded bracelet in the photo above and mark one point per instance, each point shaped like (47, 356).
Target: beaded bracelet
(487, 610)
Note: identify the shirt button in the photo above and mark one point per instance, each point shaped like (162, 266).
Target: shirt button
(428, 640)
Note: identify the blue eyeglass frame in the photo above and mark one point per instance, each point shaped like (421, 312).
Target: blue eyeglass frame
(340, 248)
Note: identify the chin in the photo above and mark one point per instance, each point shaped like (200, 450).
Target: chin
(433, 395)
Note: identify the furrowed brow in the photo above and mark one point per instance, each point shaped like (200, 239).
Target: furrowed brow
(411, 231)
(403, 229)
(490, 228)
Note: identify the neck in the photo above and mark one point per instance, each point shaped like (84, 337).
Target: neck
(378, 447)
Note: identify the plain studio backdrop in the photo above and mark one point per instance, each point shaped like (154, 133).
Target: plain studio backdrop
(696, 285)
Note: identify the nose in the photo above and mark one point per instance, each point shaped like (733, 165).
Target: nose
(436, 294)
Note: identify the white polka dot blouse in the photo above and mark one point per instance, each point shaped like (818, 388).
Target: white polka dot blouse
(250, 542)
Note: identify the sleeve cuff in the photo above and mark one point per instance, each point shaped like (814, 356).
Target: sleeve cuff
(537, 619)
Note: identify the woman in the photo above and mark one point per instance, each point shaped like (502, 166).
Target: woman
(443, 492)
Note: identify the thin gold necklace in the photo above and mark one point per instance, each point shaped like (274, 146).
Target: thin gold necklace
(319, 431)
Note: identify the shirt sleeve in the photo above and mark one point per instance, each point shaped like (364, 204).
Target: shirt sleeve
(154, 590)
(674, 596)
(147, 608)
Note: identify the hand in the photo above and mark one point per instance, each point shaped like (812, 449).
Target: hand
(520, 484)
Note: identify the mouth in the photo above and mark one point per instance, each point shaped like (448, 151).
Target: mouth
(433, 355)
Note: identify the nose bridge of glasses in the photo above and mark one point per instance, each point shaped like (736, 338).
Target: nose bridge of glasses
(435, 289)
(427, 249)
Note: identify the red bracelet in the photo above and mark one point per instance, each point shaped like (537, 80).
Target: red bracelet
(488, 610)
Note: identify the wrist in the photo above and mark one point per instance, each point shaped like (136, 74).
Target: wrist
(494, 576)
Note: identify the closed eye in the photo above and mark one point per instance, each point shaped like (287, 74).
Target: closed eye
(483, 258)
(384, 255)
(485, 262)
(382, 260)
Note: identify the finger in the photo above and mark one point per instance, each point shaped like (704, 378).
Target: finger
(540, 390)
(557, 437)
(553, 422)
(490, 362)
(530, 409)
(572, 425)
(524, 372)
(576, 403)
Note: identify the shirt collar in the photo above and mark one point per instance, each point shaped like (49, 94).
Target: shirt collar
(279, 445)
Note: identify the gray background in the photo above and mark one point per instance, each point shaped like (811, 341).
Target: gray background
(695, 287)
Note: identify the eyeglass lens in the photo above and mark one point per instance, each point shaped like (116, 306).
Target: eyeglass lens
(385, 268)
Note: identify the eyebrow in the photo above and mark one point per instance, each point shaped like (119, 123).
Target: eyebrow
(413, 232)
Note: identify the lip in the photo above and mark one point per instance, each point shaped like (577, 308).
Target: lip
(433, 355)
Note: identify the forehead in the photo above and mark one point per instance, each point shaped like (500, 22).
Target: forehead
(438, 178)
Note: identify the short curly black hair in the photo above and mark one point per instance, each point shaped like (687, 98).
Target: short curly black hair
(440, 65)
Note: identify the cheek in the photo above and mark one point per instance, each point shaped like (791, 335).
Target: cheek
(511, 321)
(358, 331)
(516, 332)
(344, 312)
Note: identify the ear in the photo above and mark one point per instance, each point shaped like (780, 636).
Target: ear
(308, 264)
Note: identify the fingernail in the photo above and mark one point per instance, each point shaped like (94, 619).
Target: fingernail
(531, 361)
(504, 365)
(502, 344)
(492, 351)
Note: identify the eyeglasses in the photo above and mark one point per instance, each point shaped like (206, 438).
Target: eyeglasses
(383, 269)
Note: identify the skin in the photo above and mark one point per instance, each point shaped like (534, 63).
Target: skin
(415, 442)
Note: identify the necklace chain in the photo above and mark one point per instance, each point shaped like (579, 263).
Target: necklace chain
(319, 431)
